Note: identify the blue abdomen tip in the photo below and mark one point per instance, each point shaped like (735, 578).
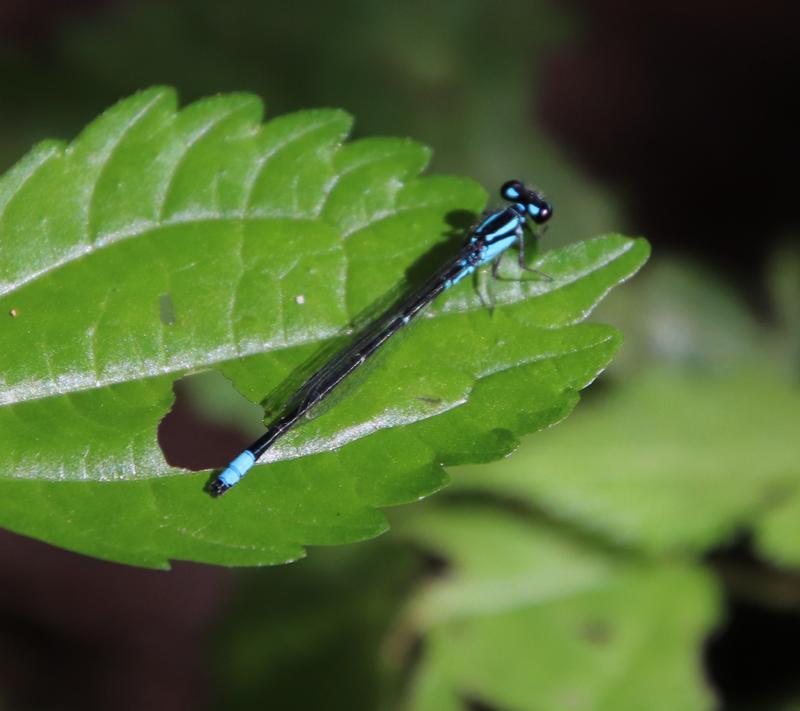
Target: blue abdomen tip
(237, 468)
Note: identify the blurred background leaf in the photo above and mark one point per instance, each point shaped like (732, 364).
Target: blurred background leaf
(527, 618)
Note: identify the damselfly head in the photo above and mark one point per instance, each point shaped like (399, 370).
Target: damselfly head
(536, 207)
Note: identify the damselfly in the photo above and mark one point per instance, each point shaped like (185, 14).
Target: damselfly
(498, 231)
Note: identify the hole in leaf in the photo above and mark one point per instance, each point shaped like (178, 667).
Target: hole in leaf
(166, 310)
(208, 424)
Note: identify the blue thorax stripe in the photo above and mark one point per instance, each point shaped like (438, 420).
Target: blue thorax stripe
(499, 225)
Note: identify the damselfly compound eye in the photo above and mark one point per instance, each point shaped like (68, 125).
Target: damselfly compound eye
(545, 213)
(513, 190)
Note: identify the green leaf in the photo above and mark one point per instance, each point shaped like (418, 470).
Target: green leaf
(163, 242)
(525, 618)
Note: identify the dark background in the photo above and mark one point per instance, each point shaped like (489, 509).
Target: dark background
(678, 122)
